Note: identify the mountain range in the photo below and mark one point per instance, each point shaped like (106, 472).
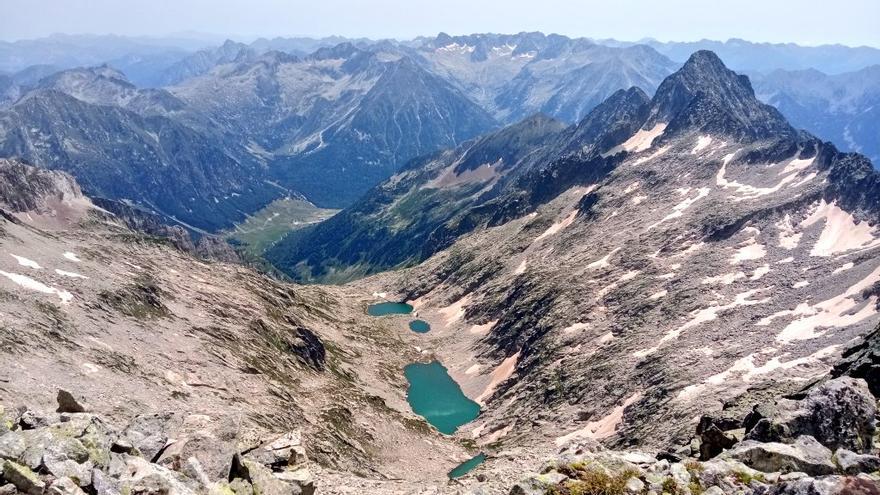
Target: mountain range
(661, 258)
(677, 293)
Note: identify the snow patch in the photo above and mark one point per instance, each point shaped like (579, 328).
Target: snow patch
(843, 268)
(502, 372)
(658, 295)
(840, 232)
(836, 312)
(726, 278)
(26, 262)
(70, 274)
(556, 227)
(640, 141)
(31, 284)
(603, 262)
(484, 328)
(602, 428)
(702, 143)
(72, 257)
(678, 210)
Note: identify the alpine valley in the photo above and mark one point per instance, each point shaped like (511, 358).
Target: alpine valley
(486, 264)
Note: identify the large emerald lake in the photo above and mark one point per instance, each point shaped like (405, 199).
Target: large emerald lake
(435, 396)
(389, 308)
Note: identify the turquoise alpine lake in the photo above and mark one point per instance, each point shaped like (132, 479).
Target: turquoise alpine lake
(435, 396)
(419, 326)
(467, 466)
(389, 308)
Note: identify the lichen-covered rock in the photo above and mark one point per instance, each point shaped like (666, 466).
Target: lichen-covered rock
(537, 484)
(103, 485)
(805, 455)
(148, 433)
(137, 475)
(839, 413)
(24, 479)
(65, 486)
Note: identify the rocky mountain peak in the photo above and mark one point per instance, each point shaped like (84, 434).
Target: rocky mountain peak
(705, 95)
(27, 188)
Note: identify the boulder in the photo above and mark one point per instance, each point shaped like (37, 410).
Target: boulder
(280, 453)
(61, 467)
(31, 447)
(8, 489)
(136, 475)
(827, 485)
(68, 403)
(265, 482)
(634, 485)
(713, 441)
(30, 420)
(851, 463)
(805, 455)
(24, 479)
(103, 485)
(839, 413)
(538, 484)
(862, 361)
(204, 448)
(65, 486)
(7, 420)
(148, 434)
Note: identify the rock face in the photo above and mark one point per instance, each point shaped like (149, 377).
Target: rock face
(155, 161)
(386, 109)
(839, 414)
(76, 453)
(840, 107)
(805, 455)
(27, 188)
(862, 361)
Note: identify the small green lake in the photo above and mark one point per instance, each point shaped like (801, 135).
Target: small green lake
(389, 308)
(419, 326)
(467, 466)
(435, 396)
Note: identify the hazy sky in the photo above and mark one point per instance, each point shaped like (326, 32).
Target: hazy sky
(851, 22)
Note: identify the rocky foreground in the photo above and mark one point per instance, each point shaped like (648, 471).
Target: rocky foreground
(73, 452)
(821, 441)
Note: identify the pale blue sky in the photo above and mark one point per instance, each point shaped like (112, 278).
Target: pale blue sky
(851, 22)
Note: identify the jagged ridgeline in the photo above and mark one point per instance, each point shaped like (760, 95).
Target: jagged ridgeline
(677, 293)
(665, 256)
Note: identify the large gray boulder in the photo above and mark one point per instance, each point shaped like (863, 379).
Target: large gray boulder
(24, 479)
(282, 452)
(827, 485)
(137, 475)
(203, 447)
(851, 463)
(265, 482)
(805, 455)
(537, 484)
(839, 413)
(148, 433)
